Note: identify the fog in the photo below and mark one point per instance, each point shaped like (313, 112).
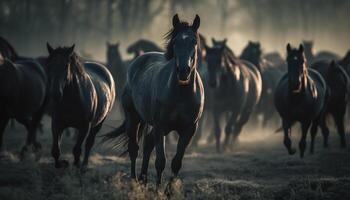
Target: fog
(29, 24)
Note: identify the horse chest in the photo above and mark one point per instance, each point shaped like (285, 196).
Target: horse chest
(179, 113)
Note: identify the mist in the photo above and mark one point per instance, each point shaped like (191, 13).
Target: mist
(29, 24)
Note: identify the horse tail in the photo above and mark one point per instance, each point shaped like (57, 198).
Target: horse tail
(118, 139)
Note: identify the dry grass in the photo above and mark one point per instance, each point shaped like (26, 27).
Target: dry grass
(256, 169)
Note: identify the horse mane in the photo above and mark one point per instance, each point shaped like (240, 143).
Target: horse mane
(6, 44)
(171, 34)
(76, 66)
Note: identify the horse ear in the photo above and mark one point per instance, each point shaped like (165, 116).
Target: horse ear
(301, 48)
(49, 48)
(176, 20)
(225, 40)
(196, 23)
(213, 40)
(71, 49)
(289, 48)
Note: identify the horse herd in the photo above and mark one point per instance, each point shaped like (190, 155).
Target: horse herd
(164, 91)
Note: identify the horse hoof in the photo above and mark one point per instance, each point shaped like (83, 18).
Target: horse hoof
(37, 146)
(174, 186)
(143, 179)
(84, 169)
(292, 152)
(61, 164)
(77, 164)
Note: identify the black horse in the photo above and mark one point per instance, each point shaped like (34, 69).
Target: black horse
(22, 97)
(142, 46)
(82, 95)
(301, 96)
(270, 75)
(116, 66)
(311, 57)
(237, 89)
(166, 92)
(338, 82)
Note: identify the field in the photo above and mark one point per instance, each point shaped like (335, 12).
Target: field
(257, 168)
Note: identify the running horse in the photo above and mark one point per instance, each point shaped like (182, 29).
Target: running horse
(82, 95)
(164, 91)
(22, 97)
(300, 96)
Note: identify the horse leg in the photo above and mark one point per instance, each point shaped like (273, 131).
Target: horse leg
(160, 154)
(241, 122)
(302, 143)
(339, 121)
(176, 163)
(133, 147)
(27, 123)
(217, 130)
(147, 150)
(83, 131)
(184, 140)
(56, 150)
(3, 123)
(231, 124)
(287, 141)
(199, 133)
(325, 131)
(90, 140)
(313, 132)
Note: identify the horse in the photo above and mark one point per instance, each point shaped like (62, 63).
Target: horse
(270, 75)
(322, 55)
(301, 95)
(345, 62)
(22, 97)
(338, 82)
(142, 46)
(236, 88)
(163, 91)
(82, 95)
(274, 57)
(116, 66)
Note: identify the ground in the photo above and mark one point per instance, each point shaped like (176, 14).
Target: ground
(256, 168)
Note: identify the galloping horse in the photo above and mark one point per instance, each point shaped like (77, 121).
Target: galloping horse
(237, 89)
(116, 66)
(143, 46)
(270, 76)
(82, 96)
(338, 82)
(22, 96)
(166, 92)
(300, 95)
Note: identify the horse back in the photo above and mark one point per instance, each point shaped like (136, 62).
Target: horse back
(31, 87)
(143, 63)
(104, 86)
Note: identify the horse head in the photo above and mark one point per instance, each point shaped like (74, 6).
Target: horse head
(62, 64)
(183, 47)
(297, 70)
